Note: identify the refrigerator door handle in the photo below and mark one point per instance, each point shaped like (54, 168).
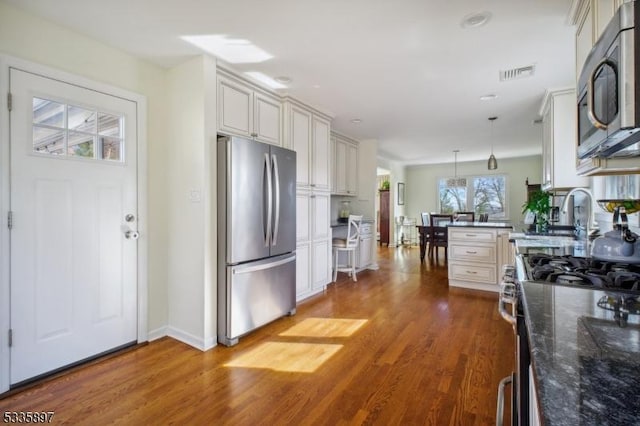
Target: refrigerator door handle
(276, 184)
(245, 270)
(267, 170)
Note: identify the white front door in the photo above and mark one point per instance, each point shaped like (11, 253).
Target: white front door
(73, 199)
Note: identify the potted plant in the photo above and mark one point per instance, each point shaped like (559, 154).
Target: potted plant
(385, 185)
(539, 203)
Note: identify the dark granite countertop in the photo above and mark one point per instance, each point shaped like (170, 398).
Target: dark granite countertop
(586, 366)
(501, 225)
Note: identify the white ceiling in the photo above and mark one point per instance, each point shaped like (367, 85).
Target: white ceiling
(405, 67)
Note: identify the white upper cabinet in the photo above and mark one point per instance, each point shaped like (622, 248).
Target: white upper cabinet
(590, 18)
(559, 158)
(299, 135)
(246, 110)
(320, 167)
(344, 165)
(307, 133)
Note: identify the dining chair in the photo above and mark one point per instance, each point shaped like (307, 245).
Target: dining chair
(465, 217)
(438, 233)
(425, 218)
(347, 245)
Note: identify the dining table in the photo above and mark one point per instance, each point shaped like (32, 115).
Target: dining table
(423, 233)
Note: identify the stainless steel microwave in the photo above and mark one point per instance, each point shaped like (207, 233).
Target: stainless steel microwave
(609, 91)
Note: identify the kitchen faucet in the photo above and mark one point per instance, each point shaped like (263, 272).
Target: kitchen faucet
(592, 225)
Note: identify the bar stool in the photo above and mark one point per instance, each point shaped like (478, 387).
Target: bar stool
(349, 246)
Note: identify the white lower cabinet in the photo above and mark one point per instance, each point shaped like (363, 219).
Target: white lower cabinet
(365, 257)
(321, 264)
(303, 270)
(313, 246)
(476, 256)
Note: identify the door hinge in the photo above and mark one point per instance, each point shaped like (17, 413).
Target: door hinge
(10, 220)
(10, 337)
(9, 101)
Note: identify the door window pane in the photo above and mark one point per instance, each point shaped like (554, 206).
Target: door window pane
(48, 141)
(81, 145)
(82, 119)
(110, 149)
(48, 112)
(109, 125)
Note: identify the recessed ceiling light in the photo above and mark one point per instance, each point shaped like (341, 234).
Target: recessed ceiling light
(283, 79)
(488, 97)
(475, 20)
(235, 51)
(263, 78)
(356, 121)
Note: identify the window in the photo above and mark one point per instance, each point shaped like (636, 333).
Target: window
(69, 130)
(482, 194)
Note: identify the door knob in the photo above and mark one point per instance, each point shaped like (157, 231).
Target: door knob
(132, 235)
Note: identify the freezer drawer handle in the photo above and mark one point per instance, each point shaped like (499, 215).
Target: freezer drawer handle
(262, 267)
(500, 406)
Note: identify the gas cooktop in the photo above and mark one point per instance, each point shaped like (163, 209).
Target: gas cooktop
(583, 272)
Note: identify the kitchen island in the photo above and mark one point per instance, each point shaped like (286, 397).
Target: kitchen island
(585, 356)
(477, 251)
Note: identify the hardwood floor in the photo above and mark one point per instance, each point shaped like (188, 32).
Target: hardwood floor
(398, 347)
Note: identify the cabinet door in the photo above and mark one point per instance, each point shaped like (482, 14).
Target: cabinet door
(303, 217)
(320, 263)
(235, 108)
(352, 169)
(341, 167)
(320, 168)
(564, 173)
(267, 119)
(300, 137)
(320, 225)
(303, 270)
(333, 166)
(584, 37)
(603, 12)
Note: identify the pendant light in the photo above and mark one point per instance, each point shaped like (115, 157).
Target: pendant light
(456, 181)
(492, 164)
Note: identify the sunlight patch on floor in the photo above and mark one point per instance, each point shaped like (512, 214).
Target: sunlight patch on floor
(325, 327)
(285, 356)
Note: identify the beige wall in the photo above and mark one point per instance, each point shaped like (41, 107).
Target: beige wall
(40, 41)
(191, 265)
(421, 182)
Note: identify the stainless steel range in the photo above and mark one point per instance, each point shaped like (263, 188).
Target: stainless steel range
(619, 281)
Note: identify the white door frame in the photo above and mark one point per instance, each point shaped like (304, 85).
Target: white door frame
(7, 62)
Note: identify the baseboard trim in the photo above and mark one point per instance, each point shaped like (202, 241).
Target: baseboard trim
(191, 340)
(156, 334)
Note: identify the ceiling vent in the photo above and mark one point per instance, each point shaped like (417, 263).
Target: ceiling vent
(516, 73)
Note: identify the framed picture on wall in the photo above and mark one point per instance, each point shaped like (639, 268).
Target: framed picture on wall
(400, 193)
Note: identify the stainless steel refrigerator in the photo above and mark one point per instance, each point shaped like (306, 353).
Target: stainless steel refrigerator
(256, 235)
